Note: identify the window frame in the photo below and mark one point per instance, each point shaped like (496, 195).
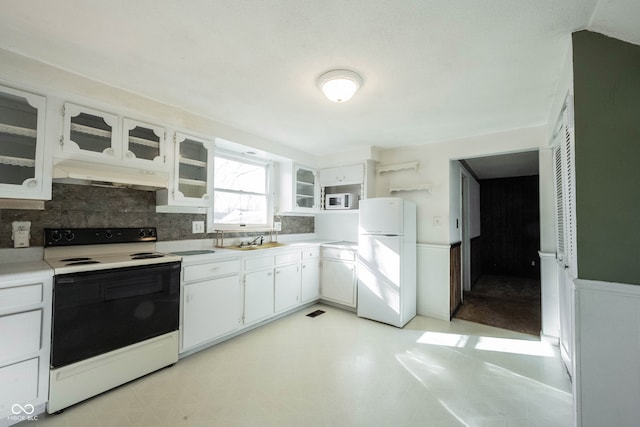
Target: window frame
(238, 157)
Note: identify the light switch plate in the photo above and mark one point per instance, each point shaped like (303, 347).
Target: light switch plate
(197, 227)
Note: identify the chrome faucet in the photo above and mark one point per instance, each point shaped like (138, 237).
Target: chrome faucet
(255, 241)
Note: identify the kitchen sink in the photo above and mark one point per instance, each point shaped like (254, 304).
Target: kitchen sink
(254, 247)
(194, 252)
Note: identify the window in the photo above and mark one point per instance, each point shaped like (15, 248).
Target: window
(241, 194)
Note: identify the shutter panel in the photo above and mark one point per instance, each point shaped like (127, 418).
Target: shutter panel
(564, 163)
(557, 154)
(568, 150)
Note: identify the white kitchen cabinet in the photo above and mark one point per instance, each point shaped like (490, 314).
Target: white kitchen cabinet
(212, 308)
(258, 295)
(338, 276)
(25, 327)
(211, 301)
(306, 189)
(286, 287)
(22, 147)
(91, 134)
(342, 175)
(310, 275)
(191, 183)
(144, 143)
(101, 137)
(299, 190)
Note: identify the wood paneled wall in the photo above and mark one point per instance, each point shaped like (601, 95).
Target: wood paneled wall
(476, 259)
(510, 223)
(455, 279)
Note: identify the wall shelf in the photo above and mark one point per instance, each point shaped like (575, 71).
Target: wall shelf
(397, 167)
(17, 130)
(414, 187)
(17, 161)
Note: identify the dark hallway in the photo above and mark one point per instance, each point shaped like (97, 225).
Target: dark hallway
(505, 270)
(505, 302)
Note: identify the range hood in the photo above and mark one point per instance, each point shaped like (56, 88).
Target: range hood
(99, 174)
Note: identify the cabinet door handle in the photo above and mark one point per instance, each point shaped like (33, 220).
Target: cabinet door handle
(214, 268)
(269, 273)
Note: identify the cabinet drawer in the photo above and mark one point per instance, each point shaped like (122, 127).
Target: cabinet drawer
(18, 384)
(203, 271)
(258, 262)
(310, 253)
(20, 296)
(286, 258)
(23, 331)
(337, 253)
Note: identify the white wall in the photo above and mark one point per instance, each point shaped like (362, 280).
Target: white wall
(435, 169)
(337, 226)
(565, 85)
(474, 208)
(607, 351)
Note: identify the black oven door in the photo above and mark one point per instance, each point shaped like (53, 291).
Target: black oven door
(99, 311)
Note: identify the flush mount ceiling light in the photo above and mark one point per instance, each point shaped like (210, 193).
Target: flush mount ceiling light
(339, 85)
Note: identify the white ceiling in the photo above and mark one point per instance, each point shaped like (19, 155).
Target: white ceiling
(432, 70)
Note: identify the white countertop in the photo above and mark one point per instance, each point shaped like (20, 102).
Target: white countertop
(24, 270)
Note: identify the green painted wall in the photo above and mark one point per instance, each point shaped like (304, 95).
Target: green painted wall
(607, 124)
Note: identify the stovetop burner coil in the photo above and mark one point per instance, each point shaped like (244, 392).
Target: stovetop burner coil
(89, 261)
(147, 256)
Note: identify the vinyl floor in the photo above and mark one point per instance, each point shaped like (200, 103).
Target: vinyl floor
(337, 369)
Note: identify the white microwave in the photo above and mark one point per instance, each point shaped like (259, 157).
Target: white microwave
(340, 201)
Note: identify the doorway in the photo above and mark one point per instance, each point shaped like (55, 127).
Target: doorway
(501, 270)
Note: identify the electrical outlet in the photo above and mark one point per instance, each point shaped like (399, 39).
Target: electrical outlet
(277, 225)
(197, 227)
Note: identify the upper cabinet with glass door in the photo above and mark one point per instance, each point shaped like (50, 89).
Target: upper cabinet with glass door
(193, 173)
(95, 135)
(298, 190)
(143, 143)
(306, 189)
(90, 133)
(22, 121)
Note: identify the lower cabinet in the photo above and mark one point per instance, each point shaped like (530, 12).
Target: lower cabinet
(25, 330)
(287, 287)
(212, 308)
(310, 277)
(258, 295)
(338, 280)
(221, 297)
(211, 301)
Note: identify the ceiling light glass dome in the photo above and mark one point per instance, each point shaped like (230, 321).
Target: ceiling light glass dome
(339, 85)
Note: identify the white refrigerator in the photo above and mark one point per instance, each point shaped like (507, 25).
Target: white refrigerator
(387, 260)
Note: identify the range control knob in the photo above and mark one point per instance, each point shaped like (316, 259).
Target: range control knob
(68, 235)
(142, 232)
(108, 234)
(55, 235)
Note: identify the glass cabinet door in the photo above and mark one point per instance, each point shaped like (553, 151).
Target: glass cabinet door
(89, 131)
(143, 142)
(21, 143)
(305, 188)
(193, 167)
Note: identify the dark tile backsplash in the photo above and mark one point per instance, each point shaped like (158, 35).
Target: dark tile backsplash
(77, 206)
